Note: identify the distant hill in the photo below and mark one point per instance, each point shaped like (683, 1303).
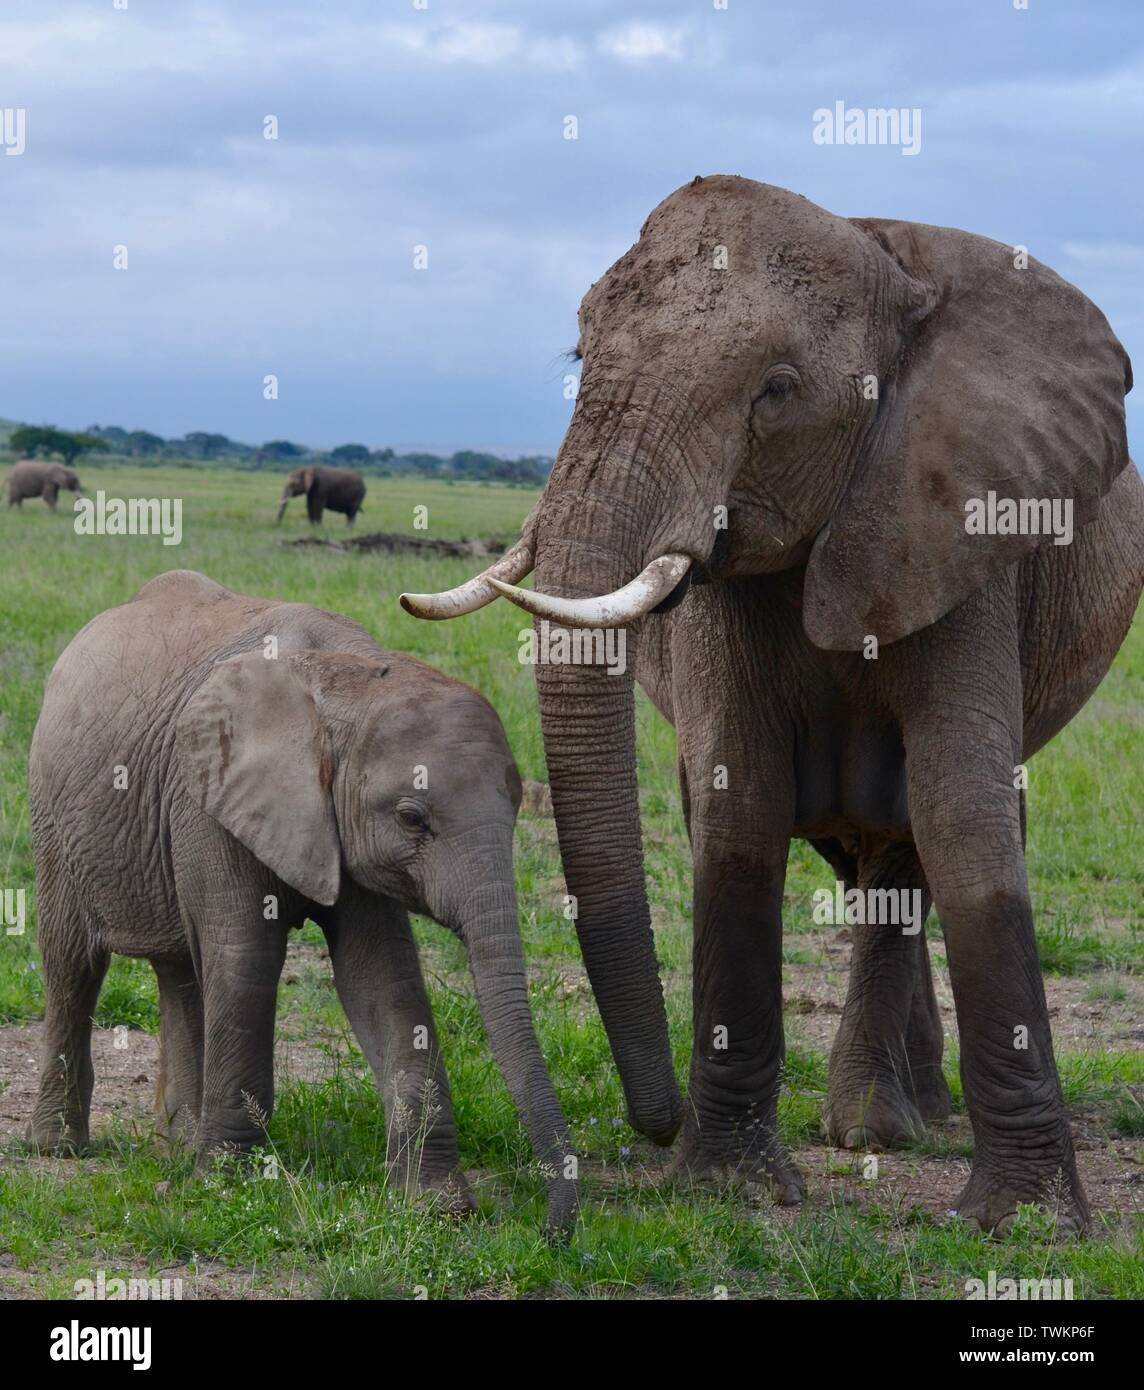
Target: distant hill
(201, 449)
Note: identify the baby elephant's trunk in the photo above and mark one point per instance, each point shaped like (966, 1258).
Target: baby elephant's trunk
(490, 930)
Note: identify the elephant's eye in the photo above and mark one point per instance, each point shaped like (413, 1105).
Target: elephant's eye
(780, 384)
(412, 816)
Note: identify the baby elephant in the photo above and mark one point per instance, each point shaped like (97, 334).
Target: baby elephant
(210, 769)
(37, 478)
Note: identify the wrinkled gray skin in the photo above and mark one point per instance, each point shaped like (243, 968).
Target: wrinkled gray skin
(293, 779)
(339, 489)
(40, 478)
(743, 388)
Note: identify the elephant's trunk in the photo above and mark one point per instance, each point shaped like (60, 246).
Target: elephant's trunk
(281, 509)
(489, 927)
(592, 537)
(588, 721)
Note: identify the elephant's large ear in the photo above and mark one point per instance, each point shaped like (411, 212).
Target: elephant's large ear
(1007, 381)
(256, 758)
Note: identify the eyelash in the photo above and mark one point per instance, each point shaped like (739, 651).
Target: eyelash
(779, 388)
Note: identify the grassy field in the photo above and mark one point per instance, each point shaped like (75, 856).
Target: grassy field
(319, 1220)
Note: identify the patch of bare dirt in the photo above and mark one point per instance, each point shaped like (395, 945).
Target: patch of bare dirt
(1087, 1011)
(392, 543)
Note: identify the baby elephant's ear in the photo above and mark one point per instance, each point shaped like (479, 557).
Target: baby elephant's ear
(255, 757)
(1008, 381)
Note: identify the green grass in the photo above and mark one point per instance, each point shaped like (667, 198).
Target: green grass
(328, 1224)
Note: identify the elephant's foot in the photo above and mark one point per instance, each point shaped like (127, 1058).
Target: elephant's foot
(931, 1093)
(176, 1125)
(49, 1135)
(990, 1200)
(762, 1164)
(448, 1192)
(876, 1114)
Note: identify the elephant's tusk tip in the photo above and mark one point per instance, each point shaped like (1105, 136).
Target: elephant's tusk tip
(508, 590)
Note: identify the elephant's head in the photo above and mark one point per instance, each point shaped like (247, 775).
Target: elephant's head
(328, 766)
(766, 386)
(64, 477)
(298, 484)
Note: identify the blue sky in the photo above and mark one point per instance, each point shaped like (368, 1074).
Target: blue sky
(444, 127)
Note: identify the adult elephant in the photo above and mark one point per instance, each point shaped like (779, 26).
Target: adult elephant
(802, 413)
(40, 478)
(339, 489)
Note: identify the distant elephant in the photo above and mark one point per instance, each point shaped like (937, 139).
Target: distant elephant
(340, 489)
(40, 478)
(809, 416)
(207, 771)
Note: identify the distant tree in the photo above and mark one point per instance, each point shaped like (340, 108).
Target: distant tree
(381, 455)
(207, 445)
(422, 463)
(32, 440)
(143, 443)
(70, 446)
(27, 440)
(282, 449)
(350, 453)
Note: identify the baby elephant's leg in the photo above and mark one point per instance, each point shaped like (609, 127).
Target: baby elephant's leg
(73, 973)
(378, 978)
(178, 1094)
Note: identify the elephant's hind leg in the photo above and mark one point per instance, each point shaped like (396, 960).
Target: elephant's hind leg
(178, 1093)
(925, 1042)
(73, 971)
(885, 1075)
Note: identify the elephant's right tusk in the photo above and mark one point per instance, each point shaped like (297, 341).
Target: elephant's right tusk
(637, 598)
(513, 566)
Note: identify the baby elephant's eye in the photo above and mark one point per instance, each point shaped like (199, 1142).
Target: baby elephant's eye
(412, 816)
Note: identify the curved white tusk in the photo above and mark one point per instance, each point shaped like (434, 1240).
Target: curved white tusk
(513, 566)
(609, 610)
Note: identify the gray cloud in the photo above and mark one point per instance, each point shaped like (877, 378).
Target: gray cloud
(444, 128)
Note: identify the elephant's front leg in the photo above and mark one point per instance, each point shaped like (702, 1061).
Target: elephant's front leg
(378, 977)
(241, 961)
(738, 818)
(963, 741)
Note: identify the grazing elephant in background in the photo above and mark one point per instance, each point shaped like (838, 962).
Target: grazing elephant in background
(40, 478)
(807, 415)
(340, 489)
(207, 771)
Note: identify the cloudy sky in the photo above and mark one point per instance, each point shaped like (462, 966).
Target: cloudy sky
(444, 127)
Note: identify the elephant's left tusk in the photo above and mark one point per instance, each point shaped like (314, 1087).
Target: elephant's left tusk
(625, 605)
(514, 565)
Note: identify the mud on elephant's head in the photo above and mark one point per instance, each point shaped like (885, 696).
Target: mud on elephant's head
(766, 385)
